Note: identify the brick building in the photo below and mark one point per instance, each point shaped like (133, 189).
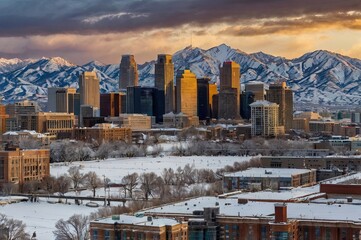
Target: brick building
(20, 166)
(138, 227)
(103, 132)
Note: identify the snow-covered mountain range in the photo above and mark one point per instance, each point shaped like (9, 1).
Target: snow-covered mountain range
(319, 77)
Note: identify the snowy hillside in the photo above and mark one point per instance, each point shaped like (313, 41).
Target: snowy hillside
(319, 77)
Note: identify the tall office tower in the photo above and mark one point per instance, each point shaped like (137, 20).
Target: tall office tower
(51, 106)
(111, 104)
(246, 99)
(264, 118)
(259, 89)
(143, 100)
(65, 100)
(203, 98)
(187, 93)
(212, 90)
(128, 72)
(74, 103)
(89, 89)
(282, 95)
(164, 76)
(229, 94)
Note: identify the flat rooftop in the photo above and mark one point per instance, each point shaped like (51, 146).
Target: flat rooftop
(138, 220)
(231, 208)
(268, 172)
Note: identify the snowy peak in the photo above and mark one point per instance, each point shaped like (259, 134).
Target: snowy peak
(60, 61)
(7, 65)
(319, 77)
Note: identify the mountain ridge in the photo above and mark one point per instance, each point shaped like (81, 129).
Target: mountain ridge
(318, 77)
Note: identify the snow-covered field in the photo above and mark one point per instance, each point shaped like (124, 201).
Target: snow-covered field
(40, 217)
(116, 169)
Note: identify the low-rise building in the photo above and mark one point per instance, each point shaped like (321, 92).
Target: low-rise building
(138, 227)
(268, 178)
(133, 121)
(20, 166)
(179, 120)
(103, 132)
(48, 122)
(13, 138)
(317, 162)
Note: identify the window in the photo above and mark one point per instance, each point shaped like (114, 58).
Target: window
(106, 235)
(95, 234)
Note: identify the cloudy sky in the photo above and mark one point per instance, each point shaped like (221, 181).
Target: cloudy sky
(103, 30)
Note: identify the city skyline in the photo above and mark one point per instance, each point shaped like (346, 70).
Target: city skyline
(104, 31)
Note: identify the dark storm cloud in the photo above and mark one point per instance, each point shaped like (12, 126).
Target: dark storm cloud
(40, 17)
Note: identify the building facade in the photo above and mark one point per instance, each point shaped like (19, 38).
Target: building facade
(264, 118)
(128, 72)
(282, 95)
(203, 103)
(111, 104)
(89, 89)
(138, 227)
(164, 82)
(105, 132)
(48, 122)
(20, 166)
(187, 93)
(229, 93)
(259, 90)
(268, 178)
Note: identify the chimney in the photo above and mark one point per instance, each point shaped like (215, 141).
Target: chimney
(280, 212)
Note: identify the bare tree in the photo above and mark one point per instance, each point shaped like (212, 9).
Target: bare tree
(189, 174)
(31, 186)
(148, 183)
(168, 176)
(49, 184)
(75, 228)
(130, 182)
(92, 181)
(11, 229)
(9, 188)
(76, 176)
(63, 184)
(29, 143)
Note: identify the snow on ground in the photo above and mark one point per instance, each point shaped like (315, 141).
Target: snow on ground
(115, 169)
(40, 217)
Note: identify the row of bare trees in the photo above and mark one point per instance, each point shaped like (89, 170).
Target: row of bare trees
(70, 150)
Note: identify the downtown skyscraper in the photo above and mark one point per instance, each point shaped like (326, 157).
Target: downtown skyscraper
(164, 78)
(128, 72)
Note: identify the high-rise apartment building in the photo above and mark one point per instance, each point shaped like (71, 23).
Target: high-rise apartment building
(282, 95)
(187, 93)
(89, 89)
(164, 77)
(264, 118)
(229, 94)
(128, 72)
